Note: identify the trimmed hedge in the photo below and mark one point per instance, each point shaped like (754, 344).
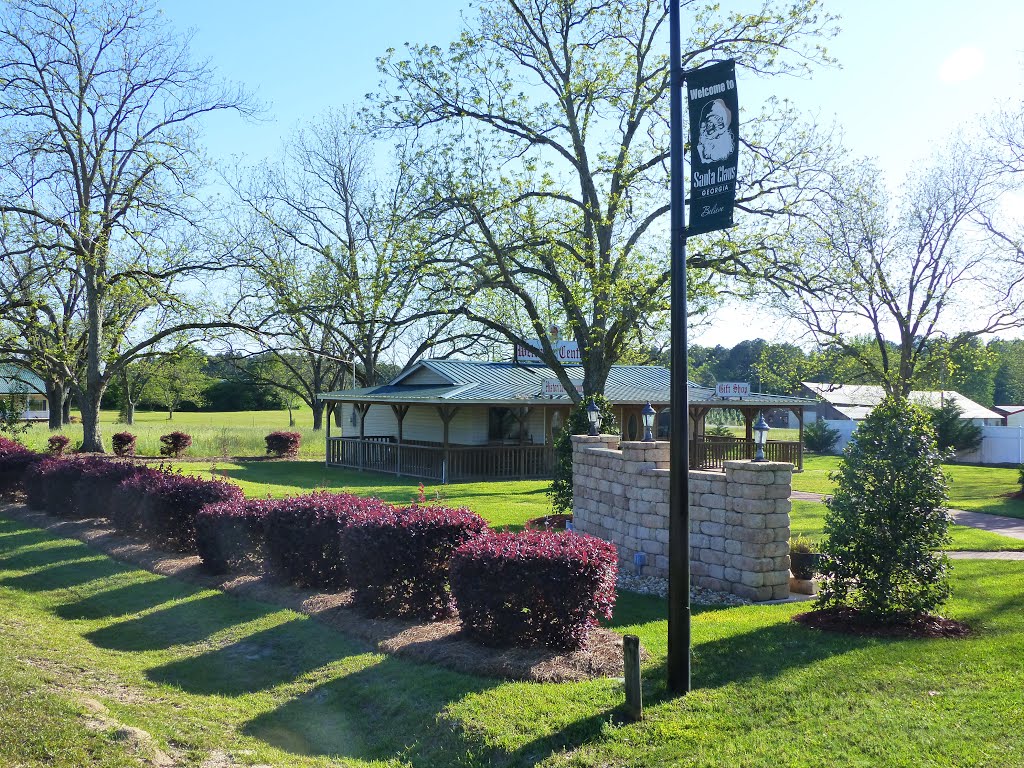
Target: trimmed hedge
(123, 444)
(174, 501)
(397, 559)
(60, 479)
(533, 588)
(130, 497)
(57, 444)
(304, 536)
(175, 443)
(15, 459)
(230, 535)
(98, 484)
(34, 482)
(283, 444)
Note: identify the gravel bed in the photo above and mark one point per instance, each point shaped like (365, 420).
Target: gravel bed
(649, 585)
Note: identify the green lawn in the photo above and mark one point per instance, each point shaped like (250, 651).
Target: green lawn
(226, 433)
(502, 503)
(203, 671)
(980, 489)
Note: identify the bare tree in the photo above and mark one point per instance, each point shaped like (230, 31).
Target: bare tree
(99, 163)
(922, 277)
(337, 253)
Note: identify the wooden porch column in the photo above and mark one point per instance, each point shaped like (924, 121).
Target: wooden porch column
(327, 437)
(447, 413)
(362, 408)
(800, 450)
(399, 411)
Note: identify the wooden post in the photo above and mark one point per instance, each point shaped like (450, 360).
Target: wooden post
(447, 413)
(399, 411)
(327, 440)
(631, 668)
(362, 408)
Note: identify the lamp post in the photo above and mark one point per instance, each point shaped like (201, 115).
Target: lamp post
(648, 415)
(593, 416)
(760, 436)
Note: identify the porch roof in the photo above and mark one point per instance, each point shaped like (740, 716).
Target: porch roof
(18, 381)
(468, 382)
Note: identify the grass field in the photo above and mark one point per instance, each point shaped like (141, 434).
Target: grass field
(220, 434)
(980, 489)
(207, 674)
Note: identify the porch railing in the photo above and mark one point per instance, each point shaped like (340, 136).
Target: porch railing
(713, 452)
(434, 462)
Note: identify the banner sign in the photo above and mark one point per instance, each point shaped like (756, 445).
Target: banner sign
(567, 352)
(554, 388)
(728, 389)
(714, 145)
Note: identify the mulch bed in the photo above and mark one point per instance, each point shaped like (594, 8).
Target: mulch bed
(850, 621)
(438, 642)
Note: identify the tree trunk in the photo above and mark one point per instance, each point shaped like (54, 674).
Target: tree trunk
(55, 396)
(92, 437)
(170, 414)
(291, 417)
(129, 413)
(336, 409)
(318, 415)
(65, 409)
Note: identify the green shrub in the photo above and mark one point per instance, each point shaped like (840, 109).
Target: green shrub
(888, 517)
(820, 437)
(952, 431)
(577, 424)
(718, 430)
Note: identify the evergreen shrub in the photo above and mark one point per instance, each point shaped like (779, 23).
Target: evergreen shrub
(397, 559)
(887, 520)
(283, 445)
(15, 459)
(820, 437)
(534, 587)
(34, 482)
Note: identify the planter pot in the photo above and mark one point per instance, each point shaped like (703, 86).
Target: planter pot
(804, 564)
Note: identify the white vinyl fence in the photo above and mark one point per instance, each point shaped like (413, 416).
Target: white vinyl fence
(999, 445)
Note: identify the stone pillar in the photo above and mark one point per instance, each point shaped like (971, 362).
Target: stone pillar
(739, 518)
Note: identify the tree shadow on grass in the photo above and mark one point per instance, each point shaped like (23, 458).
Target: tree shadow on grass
(396, 710)
(125, 600)
(258, 661)
(182, 623)
(13, 536)
(25, 558)
(65, 575)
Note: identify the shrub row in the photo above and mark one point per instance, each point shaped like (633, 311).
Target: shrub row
(530, 588)
(538, 587)
(15, 459)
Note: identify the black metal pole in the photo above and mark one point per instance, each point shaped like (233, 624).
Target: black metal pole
(679, 509)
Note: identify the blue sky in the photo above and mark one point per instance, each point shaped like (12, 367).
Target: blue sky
(911, 72)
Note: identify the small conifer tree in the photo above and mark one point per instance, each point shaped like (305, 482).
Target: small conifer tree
(578, 423)
(887, 520)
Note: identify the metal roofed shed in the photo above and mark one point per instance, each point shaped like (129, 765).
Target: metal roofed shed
(855, 401)
(460, 419)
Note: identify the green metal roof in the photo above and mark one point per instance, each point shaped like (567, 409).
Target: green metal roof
(18, 381)
(469, 381)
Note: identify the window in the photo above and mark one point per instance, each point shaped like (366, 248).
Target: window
(502, 424)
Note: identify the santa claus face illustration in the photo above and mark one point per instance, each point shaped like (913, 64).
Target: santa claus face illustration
(716, 142)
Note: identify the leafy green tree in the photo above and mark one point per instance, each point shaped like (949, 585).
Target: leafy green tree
(887, 521)
(578, 423)
(548, 178)
(180, 378)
